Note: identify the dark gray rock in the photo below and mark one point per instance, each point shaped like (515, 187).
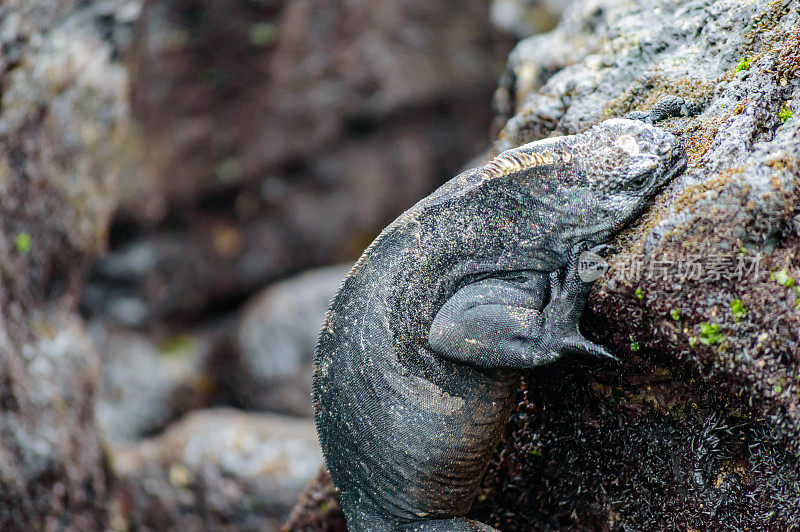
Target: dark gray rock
(217, 468)
(145, 385)
(276, 338)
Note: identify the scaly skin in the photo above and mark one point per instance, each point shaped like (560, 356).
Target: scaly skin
(422, 348)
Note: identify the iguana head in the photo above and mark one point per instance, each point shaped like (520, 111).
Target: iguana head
(625, 162)
(619, 165)
(586, 186)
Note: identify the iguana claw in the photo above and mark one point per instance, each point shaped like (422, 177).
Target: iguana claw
(579, 345)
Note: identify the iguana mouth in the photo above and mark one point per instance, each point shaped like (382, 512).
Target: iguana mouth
(677, 165)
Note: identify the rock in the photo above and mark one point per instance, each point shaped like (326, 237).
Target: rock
(51, 465)
(697, 428)
(277, 337)
(330, 121)
(317, 509)
(523, 18)
(144, 386)
(64, 138)
(216, 469)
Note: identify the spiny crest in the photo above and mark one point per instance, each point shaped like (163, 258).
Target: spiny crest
(510, 162)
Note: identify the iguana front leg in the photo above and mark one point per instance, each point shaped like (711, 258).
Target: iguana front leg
(516, 323)
(568, 296)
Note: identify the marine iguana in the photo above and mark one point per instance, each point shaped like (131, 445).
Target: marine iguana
(422, 348)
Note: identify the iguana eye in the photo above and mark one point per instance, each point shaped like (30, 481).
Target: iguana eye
(640, 180)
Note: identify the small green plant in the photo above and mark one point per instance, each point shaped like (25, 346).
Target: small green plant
(23, 243)
(675, 314)
(692, 342)
(783, 278)
(262, 34)
(777, 389)
(744, 64)
(178, 345)
(709, 333)
(784, 113)
(738, 309)
(635, 346)
(639, 293)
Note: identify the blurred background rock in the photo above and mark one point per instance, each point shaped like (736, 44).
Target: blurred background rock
(172, 173)
(284, 135)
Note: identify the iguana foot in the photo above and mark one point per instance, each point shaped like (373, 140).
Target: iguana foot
(579, 345)
(568, 296)
(666, 107)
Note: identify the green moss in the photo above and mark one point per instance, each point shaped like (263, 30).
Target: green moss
(178, 346)
(23, 243)
(784, 113)
(675, 314)
(738, 309)
(262, 34)
(782, 277)
(744, 64)
(709, 333)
